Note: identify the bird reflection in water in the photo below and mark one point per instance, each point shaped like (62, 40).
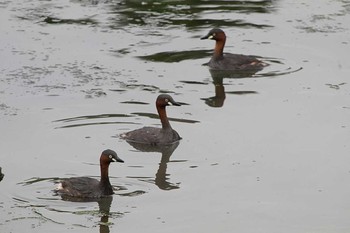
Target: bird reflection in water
(161, 179)
(218, 77)
(104, 205)
(1, 175)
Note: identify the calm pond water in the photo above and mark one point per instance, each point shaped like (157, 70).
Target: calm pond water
(264, 152)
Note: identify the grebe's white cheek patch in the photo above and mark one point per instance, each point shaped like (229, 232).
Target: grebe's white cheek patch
(168, 102)
(59, 186)
(112, 158)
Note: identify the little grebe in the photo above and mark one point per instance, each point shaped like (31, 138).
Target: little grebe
(89, 188)
(229, 61)
(152, 135)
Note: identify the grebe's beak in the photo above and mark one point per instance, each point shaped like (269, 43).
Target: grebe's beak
(114, 157)
(172, 102)
(117, 159)
(205, 37)
(208, 36)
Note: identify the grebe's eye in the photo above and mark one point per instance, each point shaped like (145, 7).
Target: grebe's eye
(110, 156)
(214, 34)
(166, 100)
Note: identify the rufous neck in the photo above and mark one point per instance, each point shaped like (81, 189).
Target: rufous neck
(104, 174)
(163, 117)
(219, 48)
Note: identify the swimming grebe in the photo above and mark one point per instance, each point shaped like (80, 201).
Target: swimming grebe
(152, 135)
(89, 188)
(229, 61)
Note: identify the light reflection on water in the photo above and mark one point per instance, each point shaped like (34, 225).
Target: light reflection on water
(98, 119)
(187, 13)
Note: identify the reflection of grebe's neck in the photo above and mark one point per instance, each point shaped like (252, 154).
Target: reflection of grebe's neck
(220, 91)
(104, 227)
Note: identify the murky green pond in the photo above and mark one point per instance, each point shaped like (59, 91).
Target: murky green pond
(264, 152)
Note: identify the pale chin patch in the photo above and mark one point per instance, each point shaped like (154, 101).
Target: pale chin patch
(59, 186)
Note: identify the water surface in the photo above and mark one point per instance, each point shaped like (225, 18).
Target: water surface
(262, 152)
